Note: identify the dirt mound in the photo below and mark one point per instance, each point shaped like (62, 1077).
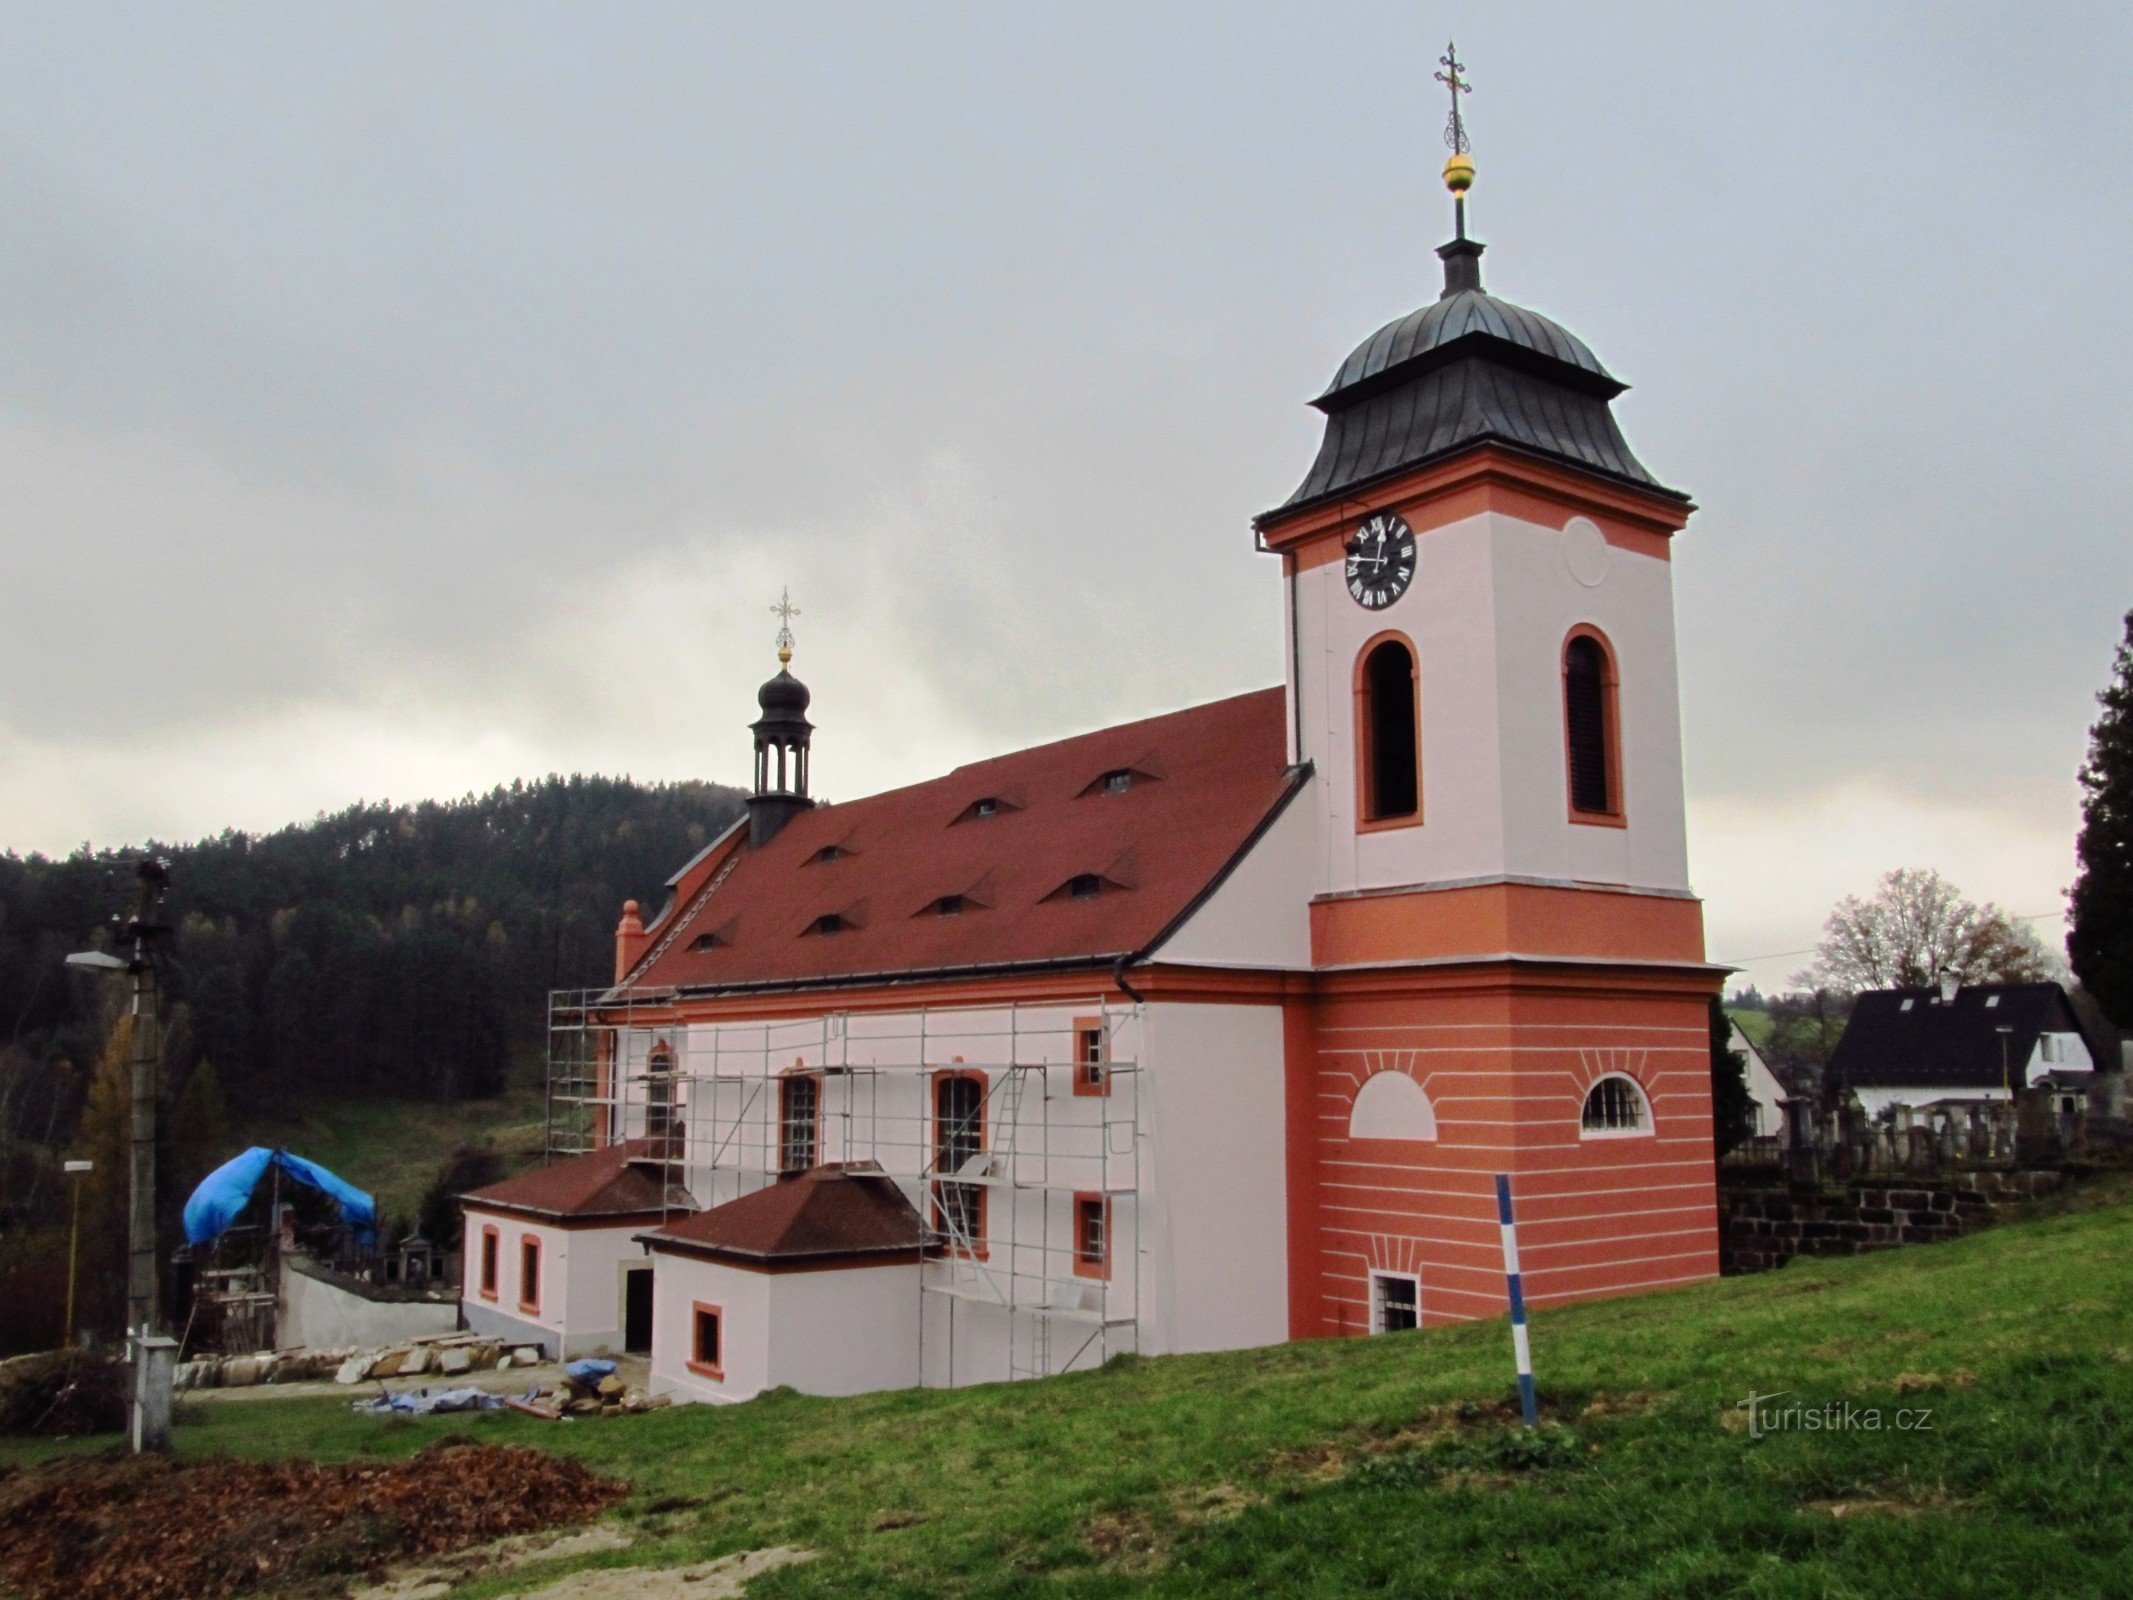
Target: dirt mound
(62, 1393)
(142, 1528)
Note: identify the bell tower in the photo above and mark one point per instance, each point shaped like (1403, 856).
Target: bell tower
(782, 736)
(1482, 675)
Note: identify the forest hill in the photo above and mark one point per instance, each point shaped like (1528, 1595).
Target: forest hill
(402, 951)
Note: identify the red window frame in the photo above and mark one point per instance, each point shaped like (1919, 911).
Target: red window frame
(698, 1311)
(1091, 1205)
(490, 1262)
(1087, 1031)
(529, 1257)
(1615, 816)
(1367, 819)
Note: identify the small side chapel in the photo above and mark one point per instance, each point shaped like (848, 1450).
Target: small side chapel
(1200, 1032)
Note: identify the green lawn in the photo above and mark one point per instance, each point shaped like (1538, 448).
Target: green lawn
(1386, 1466)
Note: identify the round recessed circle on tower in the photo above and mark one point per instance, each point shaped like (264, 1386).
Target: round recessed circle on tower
(1585, 551)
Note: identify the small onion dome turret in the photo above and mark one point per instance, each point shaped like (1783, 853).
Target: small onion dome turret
(784, 701)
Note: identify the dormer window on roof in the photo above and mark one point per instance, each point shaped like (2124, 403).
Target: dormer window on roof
(1118, 782)
(950, 905)
(987, 807)
(1084, 886)
(829, 852)
(829, 922)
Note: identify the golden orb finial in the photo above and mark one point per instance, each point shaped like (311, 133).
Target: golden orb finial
(1459, 172)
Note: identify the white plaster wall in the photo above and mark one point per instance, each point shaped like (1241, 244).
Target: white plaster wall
(845, 1332)
(2070, 1053)
(1448, 613)
(510, 1230)
(591, 1283)
(1198, 1251)
(1763, 1086)
(1214, 1273)
(1492, 601)
(1261, 916)
(678, 1282)
(323, 1316)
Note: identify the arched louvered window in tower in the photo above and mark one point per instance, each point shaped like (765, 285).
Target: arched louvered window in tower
(1589, 728)
(1388, 734)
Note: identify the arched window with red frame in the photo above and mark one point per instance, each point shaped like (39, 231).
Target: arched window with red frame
(1591, 728)
(1388, 731)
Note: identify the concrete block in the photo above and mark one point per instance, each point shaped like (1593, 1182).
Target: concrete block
(455, 1361)
(354, 1369)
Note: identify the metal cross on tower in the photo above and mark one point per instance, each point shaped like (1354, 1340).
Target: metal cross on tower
(785, 611)
(1455, 129)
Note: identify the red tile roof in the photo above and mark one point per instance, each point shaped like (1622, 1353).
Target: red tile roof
(611, 1182)
(824, 1212)
(1204, 781)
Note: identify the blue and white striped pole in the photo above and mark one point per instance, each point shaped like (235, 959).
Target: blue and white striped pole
(1519, 1343)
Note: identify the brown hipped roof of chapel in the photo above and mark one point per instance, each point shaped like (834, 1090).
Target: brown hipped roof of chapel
(824, 1212)
(610, 1182)
(1203, 783)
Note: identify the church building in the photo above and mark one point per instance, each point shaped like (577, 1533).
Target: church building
(1200, 1032)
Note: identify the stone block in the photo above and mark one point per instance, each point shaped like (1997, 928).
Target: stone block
(526, 1355)
(454, 1362)
(416, 1362)
(354, 1369)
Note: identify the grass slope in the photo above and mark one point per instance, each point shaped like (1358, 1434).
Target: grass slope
(394, 1148)
(1386, 1466)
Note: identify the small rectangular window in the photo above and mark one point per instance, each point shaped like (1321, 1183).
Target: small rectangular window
(1395, 1302)
(1092, 1236)
(1991, 1000)
(489, 1252)
(1905, 1006)
(1117, 782)
(707, 1341)
(529, 1273)
(984, 808)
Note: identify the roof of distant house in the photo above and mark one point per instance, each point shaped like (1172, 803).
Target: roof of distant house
(618, 1181)
(1911, 1038)
(824, 1213)
(1073, 853)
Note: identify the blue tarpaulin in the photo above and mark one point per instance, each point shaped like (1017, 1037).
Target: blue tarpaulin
(225, 1192)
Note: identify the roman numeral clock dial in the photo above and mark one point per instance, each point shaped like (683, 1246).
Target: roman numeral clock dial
(1381, 561)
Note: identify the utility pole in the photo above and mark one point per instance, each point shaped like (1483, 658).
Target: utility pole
(154, 1353)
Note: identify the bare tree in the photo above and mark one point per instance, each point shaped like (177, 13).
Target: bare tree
(1916, 926)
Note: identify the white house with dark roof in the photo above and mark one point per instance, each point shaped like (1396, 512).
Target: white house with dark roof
(1986, 1041)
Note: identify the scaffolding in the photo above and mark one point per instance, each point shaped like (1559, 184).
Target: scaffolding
(1052, 1154)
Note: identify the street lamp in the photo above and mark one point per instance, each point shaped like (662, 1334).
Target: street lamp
(154, 1354)
(76, 1170)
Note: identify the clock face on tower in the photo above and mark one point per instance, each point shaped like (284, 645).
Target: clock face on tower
(1381, 561)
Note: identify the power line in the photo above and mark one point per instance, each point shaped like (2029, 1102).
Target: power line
(1781, 955)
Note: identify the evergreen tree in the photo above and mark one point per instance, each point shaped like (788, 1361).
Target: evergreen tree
(2099, 935)
(1732, 1107)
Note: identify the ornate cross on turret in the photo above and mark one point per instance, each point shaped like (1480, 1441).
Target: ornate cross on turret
(1458, 166)
(785, 611)
(1454, 130)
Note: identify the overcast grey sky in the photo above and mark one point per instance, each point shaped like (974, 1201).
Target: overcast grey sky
(397, 400)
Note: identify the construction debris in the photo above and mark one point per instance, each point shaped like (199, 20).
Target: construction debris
(452, 1355)
(150, 1528)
